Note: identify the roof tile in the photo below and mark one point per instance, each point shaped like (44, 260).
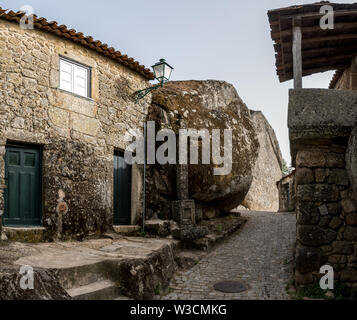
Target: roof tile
(78, 37)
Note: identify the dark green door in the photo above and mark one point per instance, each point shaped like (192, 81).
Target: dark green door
(122, 191)
(23, 192)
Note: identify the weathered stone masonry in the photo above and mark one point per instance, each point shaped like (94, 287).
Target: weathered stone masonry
(78, 136)
(320, 123)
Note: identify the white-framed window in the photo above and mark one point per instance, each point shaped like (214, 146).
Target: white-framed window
(75, 77)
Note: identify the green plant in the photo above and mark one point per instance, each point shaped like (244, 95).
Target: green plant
(141, 234)
(157, 290)
(340, 292)
(219, 228)
(311, 292)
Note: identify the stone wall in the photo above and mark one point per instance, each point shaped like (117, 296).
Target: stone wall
(320, 123)
(78, 136)
(263, 194)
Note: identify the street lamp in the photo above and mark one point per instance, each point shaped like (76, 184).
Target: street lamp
(162, 71)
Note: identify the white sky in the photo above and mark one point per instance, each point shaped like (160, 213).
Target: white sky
(203, 39)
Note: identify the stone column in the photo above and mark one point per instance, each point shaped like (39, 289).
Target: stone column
(184, 209)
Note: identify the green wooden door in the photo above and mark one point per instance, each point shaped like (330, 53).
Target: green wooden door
(23, 192)
(122, 191)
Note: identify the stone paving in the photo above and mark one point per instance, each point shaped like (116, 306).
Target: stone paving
(261, 254)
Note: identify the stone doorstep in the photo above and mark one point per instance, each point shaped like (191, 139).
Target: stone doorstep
(126, 229)
(22, 234)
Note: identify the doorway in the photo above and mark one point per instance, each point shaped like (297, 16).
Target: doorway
(23, 196)
(122, 190)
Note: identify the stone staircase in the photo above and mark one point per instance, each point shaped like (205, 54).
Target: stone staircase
(90, 282)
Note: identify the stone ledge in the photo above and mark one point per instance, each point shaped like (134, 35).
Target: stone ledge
(319, 116)
(125, 230)
(213, 238)
(30, 235)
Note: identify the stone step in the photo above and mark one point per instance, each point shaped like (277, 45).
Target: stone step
(100, 290)
(26, 235)
(82, 275)
(127, 230)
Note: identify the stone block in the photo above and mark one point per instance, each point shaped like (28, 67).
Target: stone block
(86, 125)
(335, 223)
(339, 177)
(315, 236)
(351, 219)
(337, 259)
(158, 227)
(307, 214)
(59, 117)
(309, 259)
(324, 221)
(310, 159)
(321, 175)
(335, 160)
(190, 233)
(334, 208)
(321, 113)
(304, 176)
(323, 210)
(349, 205)
(303, 279)
(317, 193)
(350, 233)
(349, 275)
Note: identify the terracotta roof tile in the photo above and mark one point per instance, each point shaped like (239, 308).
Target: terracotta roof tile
(78, 37)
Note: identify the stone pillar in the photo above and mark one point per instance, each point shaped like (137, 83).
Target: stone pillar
(184, 209)
(320, 126)
(182, 181)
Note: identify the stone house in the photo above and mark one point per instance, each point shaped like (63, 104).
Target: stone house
(65, 107)
(286, 187)
(322, 130)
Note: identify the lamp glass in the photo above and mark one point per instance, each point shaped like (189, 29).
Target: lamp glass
(162, 71)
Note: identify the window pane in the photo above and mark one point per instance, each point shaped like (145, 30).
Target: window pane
(14, 159)
(74, 78)
(66, 76)
(29, 160)
(80, 80)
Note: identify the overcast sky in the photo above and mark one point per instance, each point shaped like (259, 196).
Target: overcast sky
(203, 39)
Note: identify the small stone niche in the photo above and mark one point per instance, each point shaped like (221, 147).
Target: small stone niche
(184, 212)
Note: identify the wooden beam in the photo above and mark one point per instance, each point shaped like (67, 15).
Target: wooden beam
(296, 48)
(340, 37)
(319, 52)
(317, 61)
(318, 15)
(309, 31)
(289, 76)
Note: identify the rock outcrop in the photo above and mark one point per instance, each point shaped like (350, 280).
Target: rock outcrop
(263, 194)
(213, 105)
(46, 286)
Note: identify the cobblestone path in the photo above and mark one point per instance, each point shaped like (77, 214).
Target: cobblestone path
(260, 255)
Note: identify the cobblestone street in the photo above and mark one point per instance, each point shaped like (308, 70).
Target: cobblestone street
(260, 255)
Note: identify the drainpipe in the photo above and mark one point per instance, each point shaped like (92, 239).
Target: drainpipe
(145, 153)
